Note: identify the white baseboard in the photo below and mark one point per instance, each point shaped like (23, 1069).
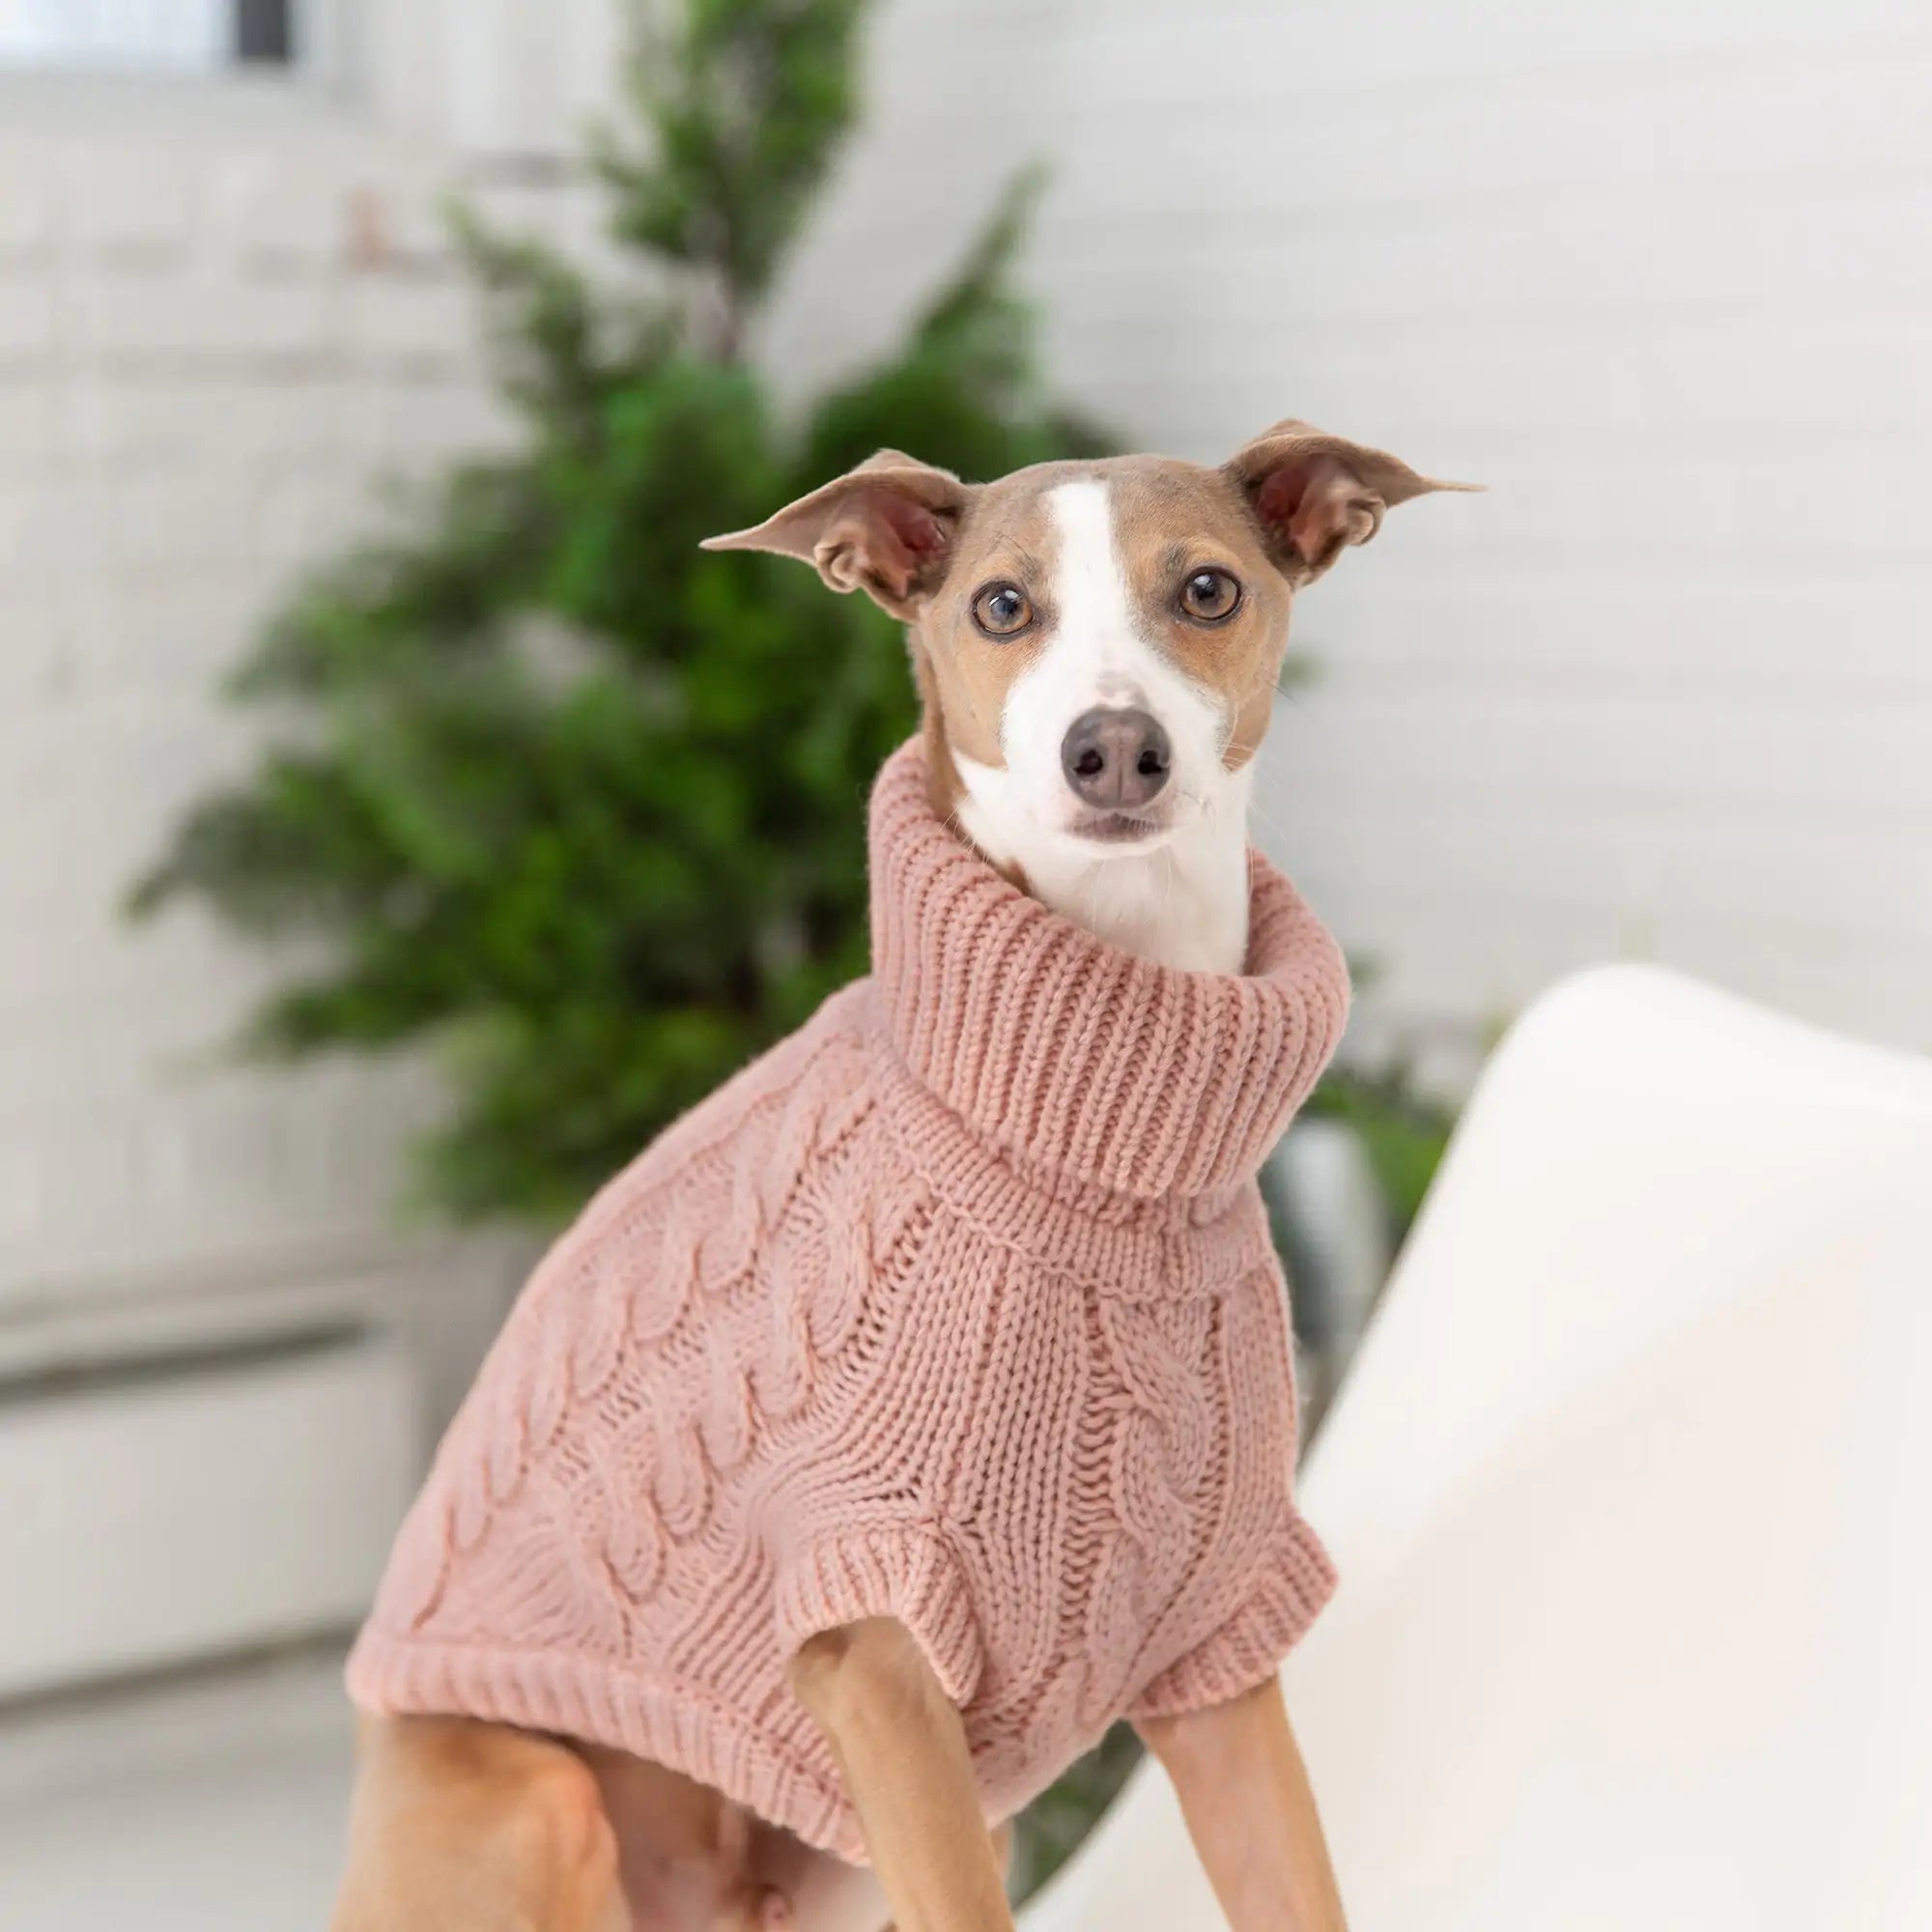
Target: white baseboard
(148, 1520)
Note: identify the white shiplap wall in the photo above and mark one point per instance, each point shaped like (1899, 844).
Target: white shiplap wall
(226, 309)
(1659, 271)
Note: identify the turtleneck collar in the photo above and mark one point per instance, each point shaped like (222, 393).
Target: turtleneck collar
(1099, 1067)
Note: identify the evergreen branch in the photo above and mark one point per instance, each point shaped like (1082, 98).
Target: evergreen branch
(544, 321)
(744, 105)
(471, 552)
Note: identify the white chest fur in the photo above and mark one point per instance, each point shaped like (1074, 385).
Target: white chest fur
(1185, 904)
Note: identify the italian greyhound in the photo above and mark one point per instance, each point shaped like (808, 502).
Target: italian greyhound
(1096, 646)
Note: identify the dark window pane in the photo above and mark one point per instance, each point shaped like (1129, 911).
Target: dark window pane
(264, 30)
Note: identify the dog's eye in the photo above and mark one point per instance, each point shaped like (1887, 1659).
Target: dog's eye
(1002, 609)
(1209, 595)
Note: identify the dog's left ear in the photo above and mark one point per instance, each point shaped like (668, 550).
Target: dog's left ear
(1315, 494)
(886, 528)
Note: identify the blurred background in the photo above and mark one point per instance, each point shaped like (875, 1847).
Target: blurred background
(403, 820)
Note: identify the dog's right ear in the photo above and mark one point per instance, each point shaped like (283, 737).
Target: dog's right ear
(1314, 494)
(886, 528)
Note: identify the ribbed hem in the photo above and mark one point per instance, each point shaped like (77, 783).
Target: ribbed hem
(1248, 1649)
(593, 1702)
(910, 1574)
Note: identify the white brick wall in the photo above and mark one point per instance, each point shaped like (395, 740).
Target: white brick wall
(1660, 271)
(205, 362)
(500, 75)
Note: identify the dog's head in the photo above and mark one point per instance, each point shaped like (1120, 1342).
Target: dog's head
(1097, 644)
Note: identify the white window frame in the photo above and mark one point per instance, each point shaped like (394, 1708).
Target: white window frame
(319, 33)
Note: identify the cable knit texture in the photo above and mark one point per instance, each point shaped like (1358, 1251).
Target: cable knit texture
(959, 1306)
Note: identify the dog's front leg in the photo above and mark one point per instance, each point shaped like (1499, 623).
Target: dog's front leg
(902, 1749)
(1245, 1795)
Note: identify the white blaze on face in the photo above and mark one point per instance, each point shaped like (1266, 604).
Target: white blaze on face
(1179, 895)
(1097, 656)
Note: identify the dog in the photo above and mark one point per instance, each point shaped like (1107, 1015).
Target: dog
(1096, 645)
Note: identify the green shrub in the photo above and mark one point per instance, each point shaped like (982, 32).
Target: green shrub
(564, 796)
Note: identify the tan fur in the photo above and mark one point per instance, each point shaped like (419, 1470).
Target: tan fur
(942, 784)
(1314, 494)
(1005, 534)
(466, 1827)
(1250, 1811)
(1172, 519)
(472, 1826)
(902, 1749)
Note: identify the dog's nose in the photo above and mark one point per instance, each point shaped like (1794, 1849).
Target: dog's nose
(1116, 760)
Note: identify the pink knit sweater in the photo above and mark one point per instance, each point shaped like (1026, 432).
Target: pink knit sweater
(957, 1306)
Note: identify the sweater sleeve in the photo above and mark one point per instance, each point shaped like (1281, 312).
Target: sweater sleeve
(1283, 1598)
(905, 1572)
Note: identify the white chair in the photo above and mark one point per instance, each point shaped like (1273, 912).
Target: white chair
(1631, 1494)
